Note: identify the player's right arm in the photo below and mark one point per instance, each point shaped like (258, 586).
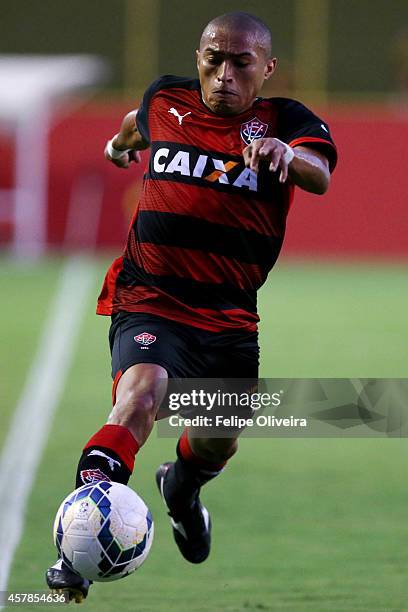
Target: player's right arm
(123, 148)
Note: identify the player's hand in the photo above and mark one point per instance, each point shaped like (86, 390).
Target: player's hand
(124, 160)
(268, 149)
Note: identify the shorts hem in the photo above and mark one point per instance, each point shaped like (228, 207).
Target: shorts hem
(159, 362)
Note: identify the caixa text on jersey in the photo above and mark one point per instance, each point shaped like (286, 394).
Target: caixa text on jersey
(195, 166)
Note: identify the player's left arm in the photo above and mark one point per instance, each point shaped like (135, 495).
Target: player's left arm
(306, 167)
(302, 149)
(309, 170)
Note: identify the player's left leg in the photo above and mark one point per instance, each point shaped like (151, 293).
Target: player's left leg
(202, 456)
(199, 460)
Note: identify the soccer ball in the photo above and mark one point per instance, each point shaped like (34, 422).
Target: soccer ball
(103, 531)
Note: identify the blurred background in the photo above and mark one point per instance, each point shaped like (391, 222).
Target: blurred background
(347, 60)
(299, 525)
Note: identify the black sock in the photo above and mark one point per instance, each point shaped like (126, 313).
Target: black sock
(100, 463)
(184, 480)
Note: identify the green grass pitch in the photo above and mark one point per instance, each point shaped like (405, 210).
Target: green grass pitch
(300, 525)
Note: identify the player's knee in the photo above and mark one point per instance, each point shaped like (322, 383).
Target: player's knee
(138, 397)
(134, 407)
(215, 450)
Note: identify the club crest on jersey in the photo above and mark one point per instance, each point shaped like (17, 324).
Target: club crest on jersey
(88, 476)
(252, 130)
(145, 339)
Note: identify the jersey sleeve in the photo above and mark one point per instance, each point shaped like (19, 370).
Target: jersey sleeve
(297, 125)
(142, 116)
(164, 82)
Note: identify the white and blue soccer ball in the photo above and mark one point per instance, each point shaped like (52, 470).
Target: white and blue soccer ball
(103, 531)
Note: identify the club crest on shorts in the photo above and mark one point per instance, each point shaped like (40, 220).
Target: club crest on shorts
(145, 339)
(88, 476)
(252, 130)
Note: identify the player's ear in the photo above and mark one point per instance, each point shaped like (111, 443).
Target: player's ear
(270, 67)
(198, 57)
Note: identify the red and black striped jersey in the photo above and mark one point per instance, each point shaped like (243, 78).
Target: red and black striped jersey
(207, 230)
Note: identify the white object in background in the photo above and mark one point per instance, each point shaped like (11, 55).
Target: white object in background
(29, 86)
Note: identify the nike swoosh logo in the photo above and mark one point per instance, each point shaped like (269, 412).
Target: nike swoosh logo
(179, 527)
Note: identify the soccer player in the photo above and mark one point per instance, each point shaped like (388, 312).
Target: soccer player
(208, 228)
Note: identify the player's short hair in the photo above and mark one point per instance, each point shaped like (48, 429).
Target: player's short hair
(244, 22)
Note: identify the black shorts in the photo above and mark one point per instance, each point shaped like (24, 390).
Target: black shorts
(183, 350)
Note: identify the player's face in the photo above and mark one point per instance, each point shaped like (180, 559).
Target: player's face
(232, 68)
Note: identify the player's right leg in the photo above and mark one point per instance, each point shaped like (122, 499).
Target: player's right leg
(140, 376)
(110, 453)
